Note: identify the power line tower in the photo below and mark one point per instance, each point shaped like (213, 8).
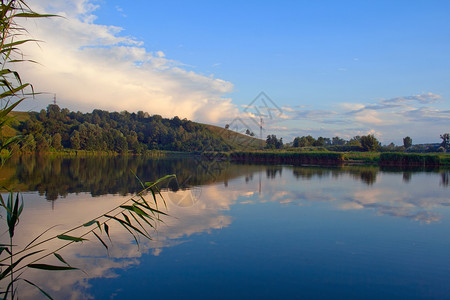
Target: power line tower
(260, 126)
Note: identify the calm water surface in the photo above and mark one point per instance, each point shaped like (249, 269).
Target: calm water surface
(244, 231)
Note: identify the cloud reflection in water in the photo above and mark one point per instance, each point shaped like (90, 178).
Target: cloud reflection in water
(206, 208)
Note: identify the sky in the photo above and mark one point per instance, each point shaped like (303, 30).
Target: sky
(320, 68)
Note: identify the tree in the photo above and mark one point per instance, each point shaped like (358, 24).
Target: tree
(29, 144)
(273, 143)
(407, 142)
(369, 143)
(250, 133)
(354, 141)
(320, 142)
(304, 141)
(56, 142)
(42, 144)
(337, 141)
(445, 140)
(75, 141)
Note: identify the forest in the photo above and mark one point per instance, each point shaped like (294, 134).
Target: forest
(58, 129)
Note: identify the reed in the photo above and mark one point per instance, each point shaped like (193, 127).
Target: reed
(288, 157)
(136, 215)
(413, 159)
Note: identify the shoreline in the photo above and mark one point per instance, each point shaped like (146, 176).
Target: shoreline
(386, 159)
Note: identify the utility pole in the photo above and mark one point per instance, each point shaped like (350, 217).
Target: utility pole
(260, 130)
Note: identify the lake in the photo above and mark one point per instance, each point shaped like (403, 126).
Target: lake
(241, 231)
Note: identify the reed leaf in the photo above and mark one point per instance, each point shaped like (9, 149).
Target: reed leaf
(139, 180)
(121, 222)
(147, 221)
(33, 15)
(36, 238)
(106, 227)
(5, 249)
(126, 218)
(41, 290)
(101, 241)
(60, 258)
(137, 221)
(128, 224)
(89, 223)
(11, 267)
(50, 267)
(70, 238)
(135, 209)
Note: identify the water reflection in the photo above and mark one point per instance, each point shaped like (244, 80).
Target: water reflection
(407, 177)
(198, 203)
(55, 177)
(445, 177)
(190, 214)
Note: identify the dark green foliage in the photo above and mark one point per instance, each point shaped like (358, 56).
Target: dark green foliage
(354, 141)
(391, 148)
(288, 157)
(413, 159)
(307, 141)
(445, 140)
(56, 142)
(304, 141)
(273, 143)
(250, 133)
(345, 148)
(321, 141)
(369, 143)
(337, 141)
(114, 132)
(407, 142)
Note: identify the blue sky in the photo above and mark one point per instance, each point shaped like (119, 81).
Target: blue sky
(333, 67)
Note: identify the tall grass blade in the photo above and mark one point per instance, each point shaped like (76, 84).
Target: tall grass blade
(41, 290)
(106, 227)
(12, 266)
(36, 238)
(60, 258)
(50, 267)
(70, 238)
(101, 241)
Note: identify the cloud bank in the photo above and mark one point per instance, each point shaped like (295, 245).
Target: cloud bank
(89, 66)
(422, 117)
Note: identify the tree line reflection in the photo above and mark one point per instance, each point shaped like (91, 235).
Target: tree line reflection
(55, 177)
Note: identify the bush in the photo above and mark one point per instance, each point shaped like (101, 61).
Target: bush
(390, 158)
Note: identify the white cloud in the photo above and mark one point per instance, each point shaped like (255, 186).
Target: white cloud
(369, 117)
(93, 66)
(423, 117)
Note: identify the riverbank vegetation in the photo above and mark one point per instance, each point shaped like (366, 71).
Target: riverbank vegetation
(325, 157)
(55, 130)
(59, 132)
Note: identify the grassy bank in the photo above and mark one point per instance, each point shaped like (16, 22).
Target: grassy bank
(328, 157)
(413, 159)
(362, 157)
(69, 152)
(288, 157)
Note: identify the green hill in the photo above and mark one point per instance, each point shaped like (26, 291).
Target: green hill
(124, 132)
(236, 140)
(17, 117)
